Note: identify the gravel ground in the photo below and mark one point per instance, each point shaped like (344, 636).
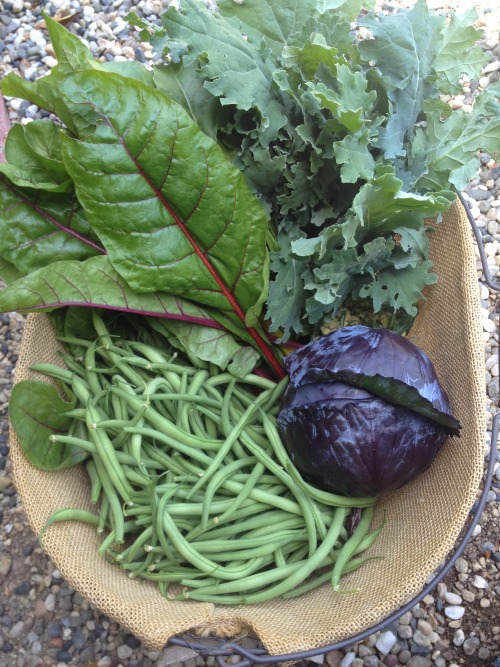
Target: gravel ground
(43, 621)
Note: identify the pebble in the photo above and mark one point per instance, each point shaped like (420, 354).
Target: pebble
(479, 582)
(454, 612)
(385, 642)
(452, 598)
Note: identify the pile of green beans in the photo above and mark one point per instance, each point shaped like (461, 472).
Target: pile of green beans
(194, 488)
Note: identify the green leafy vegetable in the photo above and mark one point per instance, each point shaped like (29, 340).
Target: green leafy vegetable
(38, 411)
(358, 144)
(273, 166)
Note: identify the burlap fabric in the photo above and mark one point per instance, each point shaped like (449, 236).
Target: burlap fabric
(423, 519)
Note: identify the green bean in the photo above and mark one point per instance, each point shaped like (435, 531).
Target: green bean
(103, 512)
(107, 454)
(234, 433)
(244, 518)
(108, 541)
(164, 426)
(95, 481)
(67, 514)
(160, 529)
(72, 364)
(245, 492)
(115, 508)
(220, 553)
(160, 430)
(351, 545)
(192, 395)
(130, 552)
(190, 554)
(303, 500)
(218, 479)
(321, 496)
(290, 576)
(122, 457)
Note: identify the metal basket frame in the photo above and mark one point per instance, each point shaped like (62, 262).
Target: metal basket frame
(222, 649)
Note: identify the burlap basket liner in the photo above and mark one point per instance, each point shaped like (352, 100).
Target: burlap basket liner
(423, 519)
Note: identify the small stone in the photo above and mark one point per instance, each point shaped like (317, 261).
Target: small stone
(17, 629)
(483, 653)
(420, 639)
(40, 609)
(385, 642)
(104, 661)
(334, 658)
(346, 661)
(370, 661)
(405, 631)
(50, 602)
(404, 656)
(479, 582)
(461, 565)
(492, 67)
(23, 588)
(452, 598)
(124, 652)
(424, 626)
(132, 641)
(459, 637)
(5, 563)
(5, 482)
(419, 661)
(50, 61)
(64, 656)
(391, 660)
(468, 596)
(364, 651)
(454, 612)
(471, 645)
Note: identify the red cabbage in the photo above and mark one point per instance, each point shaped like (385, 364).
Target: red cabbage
(364, 411)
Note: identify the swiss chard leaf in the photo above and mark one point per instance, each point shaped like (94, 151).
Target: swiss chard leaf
(37, 411)
(173, 214)
(184, 85)
(39, 227)
(33, 154)
(217, 346)
(95, 283)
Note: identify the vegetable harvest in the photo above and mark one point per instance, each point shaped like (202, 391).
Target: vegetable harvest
(194, 485)
(185, 232)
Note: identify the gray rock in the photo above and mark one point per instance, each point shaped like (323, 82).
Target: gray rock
(348, 659)
(478, 194)
(5, 564)
(385, 642)
(455, 612)
(471, 645)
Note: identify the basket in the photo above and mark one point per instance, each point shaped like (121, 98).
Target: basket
(424, 518)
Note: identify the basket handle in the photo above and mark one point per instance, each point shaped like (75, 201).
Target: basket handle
(222, 649)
